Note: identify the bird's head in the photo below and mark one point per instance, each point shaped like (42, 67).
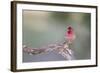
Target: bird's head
(69, 28)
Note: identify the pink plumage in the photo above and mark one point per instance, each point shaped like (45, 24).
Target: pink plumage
(70, 35)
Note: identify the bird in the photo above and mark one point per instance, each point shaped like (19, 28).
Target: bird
(62, 48)
(70, 35)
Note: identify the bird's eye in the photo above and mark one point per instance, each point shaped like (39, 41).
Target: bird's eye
(69, 27)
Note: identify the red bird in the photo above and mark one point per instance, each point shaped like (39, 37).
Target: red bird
(70, 35)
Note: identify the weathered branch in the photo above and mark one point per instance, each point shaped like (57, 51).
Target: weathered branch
(62, 49)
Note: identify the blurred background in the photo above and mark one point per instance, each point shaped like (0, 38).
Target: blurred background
(41, 28)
